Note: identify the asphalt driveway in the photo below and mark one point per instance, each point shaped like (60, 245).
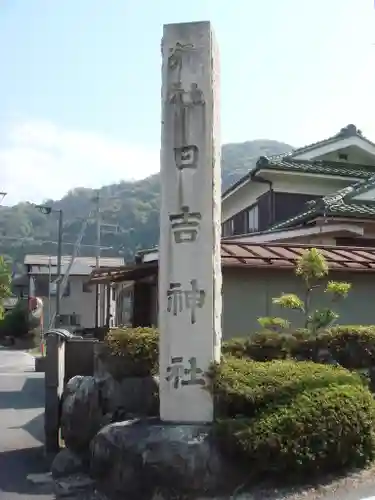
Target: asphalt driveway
(21, 426)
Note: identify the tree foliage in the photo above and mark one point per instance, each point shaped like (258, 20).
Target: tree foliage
(5, 282)
(17, 322)
(312, 267)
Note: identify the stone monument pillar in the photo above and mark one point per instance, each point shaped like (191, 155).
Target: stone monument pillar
(190, 222)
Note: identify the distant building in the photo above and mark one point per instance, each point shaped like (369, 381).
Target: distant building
(77, 307)
(314, 194)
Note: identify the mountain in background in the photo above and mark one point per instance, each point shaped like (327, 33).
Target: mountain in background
(132, 208)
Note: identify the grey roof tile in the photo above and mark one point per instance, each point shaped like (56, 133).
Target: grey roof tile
(288, 162)
(346, 132)
(340, 169)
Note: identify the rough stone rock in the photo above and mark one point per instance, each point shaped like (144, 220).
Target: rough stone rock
(132, 397)
(40, 479)
(76, 487)
(66, 463)
(83, 412)
(139, 459)
(89, 403)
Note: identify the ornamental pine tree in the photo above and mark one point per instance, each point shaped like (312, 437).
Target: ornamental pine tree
(312, 268)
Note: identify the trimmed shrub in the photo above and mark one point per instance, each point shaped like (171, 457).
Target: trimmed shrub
(262, 346)
(245, 387)
(353, 347)
(321, 430)
(16, 322)
(134, 350)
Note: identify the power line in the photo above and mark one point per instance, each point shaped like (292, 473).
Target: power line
(65, 278)
(31, 240)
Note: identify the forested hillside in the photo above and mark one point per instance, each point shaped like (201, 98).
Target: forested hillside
(132, 206)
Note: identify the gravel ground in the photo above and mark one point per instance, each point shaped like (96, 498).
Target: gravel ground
(355, 486)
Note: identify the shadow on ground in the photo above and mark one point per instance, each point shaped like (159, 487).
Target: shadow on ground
(34, 427)
(16, 465)
(30, 396)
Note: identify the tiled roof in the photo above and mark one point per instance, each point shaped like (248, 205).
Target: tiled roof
(285, 255)
(346, 132)
(287, 161)
(341, 169)
(340, 203)
(258, 255)
(287, 164)
(339, 209)
(360, 188)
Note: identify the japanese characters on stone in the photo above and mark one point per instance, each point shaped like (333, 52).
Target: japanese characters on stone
(184, 102)
(180, 299)
(185, 225)
(180, 375)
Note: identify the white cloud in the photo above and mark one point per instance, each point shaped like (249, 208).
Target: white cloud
(40, 160)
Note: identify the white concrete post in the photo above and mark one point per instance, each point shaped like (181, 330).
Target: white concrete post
(190, 222)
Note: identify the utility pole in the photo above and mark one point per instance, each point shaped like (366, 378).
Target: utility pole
(97, 263)
(47, 210)
(59, 277)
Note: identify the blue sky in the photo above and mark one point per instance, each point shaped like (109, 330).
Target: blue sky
(80, 82)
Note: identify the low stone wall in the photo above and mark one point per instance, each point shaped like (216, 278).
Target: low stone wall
(79, 357)
(64, 360)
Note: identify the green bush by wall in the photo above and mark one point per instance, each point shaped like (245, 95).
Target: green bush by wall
(290, 419)
(280, 418)
(138, 349)
(321, 430)
(244, 387)
(351, 346)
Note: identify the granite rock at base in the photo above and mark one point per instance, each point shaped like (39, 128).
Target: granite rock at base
(66, 463)
(133, 397)
(145, 459)
(83, 413)
(77, 487)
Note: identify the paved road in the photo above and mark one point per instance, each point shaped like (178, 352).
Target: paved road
(21, 426)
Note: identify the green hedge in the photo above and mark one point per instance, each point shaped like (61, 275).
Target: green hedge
(137, 348)
(320, 431)
(351, 346)
(280, 417)
(284, 419)
(245, 387)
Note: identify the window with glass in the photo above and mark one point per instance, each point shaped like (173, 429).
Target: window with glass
(228, 228)
(253, 219)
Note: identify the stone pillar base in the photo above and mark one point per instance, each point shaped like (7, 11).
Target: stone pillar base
(149, 459)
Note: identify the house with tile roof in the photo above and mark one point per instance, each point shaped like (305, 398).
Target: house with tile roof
(321, 193)
(322, 196)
